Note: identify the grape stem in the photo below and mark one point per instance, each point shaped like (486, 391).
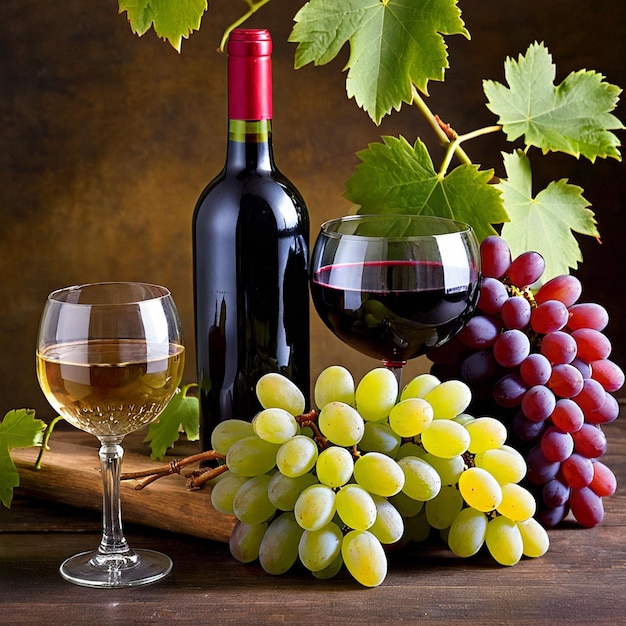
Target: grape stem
(44, 443)
(195, 479)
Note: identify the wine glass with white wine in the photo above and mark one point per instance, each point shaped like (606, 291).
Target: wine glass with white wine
(110, 357)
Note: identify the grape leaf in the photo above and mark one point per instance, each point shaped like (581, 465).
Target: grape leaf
(544, 223)
(573, 117)
(18, 429)
(171, 20)
(393, 44)
(182, 410)
(395, 177)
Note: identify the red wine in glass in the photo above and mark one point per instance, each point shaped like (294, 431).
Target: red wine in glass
(394, 295)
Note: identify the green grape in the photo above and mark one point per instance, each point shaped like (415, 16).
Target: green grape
(319, 548)
(446, 439)
(505, 464)
(419, 386)
(410, 448)
(334, 384)
(376, 394)
(226, 433)
(407, 506)
(279, 548)
(464, 419)
(251, 456)
(467, 532)
(504, 540)
(410, 417)
(275, 391)
(224, 491)
(486, 433)
(417, 528)
(315, 507)
(480, 489)
(449, 399)
(245, 541)
(535, 539)
(283, 491)
(334, 466)
(341, 424)
(364, 557)
(379, 437)
(297, 456)
(518, 504)
(421, 481)
(252, 504)
(444, 507)
(355, 507)
(388, 527)
(449, 470)
(275, 425)
(331, 570)
(379, 474)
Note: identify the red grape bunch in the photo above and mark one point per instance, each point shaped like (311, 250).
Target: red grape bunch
(539, 358)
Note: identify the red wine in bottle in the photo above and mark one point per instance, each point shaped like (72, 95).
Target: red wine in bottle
(250, 254)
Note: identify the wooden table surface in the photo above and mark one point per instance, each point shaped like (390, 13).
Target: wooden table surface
(581, 580)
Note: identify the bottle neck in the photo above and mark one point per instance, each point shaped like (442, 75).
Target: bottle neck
(250, 145)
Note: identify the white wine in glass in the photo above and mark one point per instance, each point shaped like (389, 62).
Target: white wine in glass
(110, 357)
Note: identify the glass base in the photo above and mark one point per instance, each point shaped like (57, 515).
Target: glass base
(92, 569)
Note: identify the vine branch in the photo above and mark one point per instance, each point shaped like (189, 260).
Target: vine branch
(253, 7)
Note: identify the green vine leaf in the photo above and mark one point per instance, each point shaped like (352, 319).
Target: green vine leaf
(395, 177)
(18, 429)
(573, 117)
(544, 223)
(393, 44)
(171, 20)
(181, 412)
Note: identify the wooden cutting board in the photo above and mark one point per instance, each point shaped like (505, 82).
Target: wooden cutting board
(70, 474)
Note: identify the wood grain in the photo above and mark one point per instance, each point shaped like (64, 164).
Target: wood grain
(71, 475)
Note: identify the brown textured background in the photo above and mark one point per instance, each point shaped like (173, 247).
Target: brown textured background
(106, 140)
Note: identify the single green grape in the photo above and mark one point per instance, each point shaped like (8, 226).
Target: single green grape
(341, 424)
(251, 456)
(251, 503)
(449, 399)
(283, 491)
(376, 394)
(355, 507)
(245, 541)
(334, 384)
(274, 390)
(224, 490)
(467, 532)
(275, 425)
(504, 540)
(334, 466)
(421, 480)
(226, 433)
(278, 551)
(480, 489)
(445, 439)
(379, 474)
(319, 548)
(364, 557)
(297, 456)
(315, 507)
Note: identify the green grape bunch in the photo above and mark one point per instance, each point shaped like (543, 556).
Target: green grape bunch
(372, 466)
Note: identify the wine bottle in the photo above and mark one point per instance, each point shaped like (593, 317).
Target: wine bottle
(250, 254)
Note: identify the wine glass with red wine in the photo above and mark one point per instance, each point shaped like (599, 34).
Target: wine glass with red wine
(109, 359)
(393, 286)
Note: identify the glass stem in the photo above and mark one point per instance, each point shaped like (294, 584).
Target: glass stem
(114, 549)
(396, 368)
